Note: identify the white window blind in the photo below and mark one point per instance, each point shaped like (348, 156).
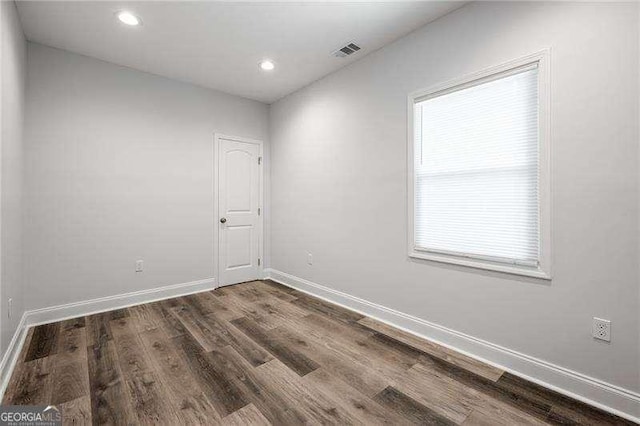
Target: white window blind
(476, 184)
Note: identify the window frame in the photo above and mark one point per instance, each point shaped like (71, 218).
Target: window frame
(543, 269)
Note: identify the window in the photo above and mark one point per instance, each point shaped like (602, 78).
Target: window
(478, 180)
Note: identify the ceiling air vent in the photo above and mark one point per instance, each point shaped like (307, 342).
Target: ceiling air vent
(347, 50)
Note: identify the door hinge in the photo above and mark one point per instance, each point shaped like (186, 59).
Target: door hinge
(259, 160)
(258, 211)
(258, 261)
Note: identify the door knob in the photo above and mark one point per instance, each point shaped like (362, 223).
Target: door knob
(223, 220)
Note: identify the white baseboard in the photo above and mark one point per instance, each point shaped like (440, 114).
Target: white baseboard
(606, 396)
(109, 303)
(89, 307)
(10, 357)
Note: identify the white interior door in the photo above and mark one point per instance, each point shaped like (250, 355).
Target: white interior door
(239, 190)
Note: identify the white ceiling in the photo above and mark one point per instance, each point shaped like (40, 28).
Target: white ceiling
(219, 44)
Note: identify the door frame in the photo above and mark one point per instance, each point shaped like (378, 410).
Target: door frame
(217, 137)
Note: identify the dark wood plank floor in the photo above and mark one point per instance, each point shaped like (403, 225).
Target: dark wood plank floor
(260, 353)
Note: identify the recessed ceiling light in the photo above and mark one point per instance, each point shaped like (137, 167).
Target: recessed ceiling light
(128, 18)
(267, 65)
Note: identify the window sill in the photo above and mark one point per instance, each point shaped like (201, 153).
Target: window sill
(480, 264)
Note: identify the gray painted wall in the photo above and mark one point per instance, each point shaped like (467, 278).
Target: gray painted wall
(14, 48)
(119, 168)
(339, 183)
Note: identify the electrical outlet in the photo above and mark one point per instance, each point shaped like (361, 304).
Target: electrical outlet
(139, 265)
(601, 329)
(309, 259)
(9, 306)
